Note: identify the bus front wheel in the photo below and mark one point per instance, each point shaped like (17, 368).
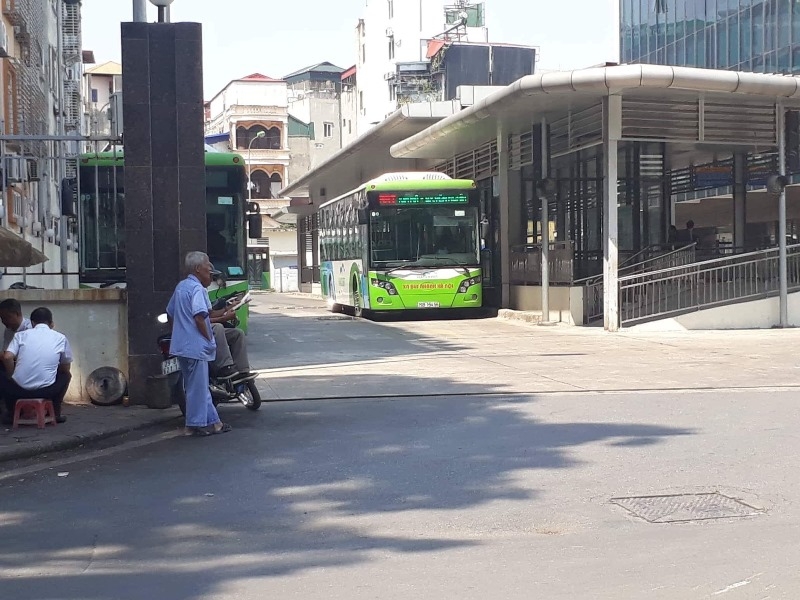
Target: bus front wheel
(358, 305)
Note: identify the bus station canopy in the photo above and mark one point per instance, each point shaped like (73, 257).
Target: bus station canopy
(554, 96)
(367, 157)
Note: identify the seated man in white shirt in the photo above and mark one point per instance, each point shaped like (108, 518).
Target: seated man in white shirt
(38, 364)
(11, 317)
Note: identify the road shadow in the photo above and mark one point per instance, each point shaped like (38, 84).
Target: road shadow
(283, 339)
(295, 488)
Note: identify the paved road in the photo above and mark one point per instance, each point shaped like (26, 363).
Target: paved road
(443, 495)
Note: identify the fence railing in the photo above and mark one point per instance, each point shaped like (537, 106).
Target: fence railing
(652, 258)
(686, 288)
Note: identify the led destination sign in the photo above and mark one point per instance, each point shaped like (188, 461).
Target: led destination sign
(416, 199)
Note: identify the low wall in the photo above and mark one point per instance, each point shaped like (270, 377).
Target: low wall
(94, 320)
(756, 314)
(566, 303)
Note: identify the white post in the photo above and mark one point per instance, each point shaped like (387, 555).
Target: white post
(782, 270)
(140, 11)
(61, 167)
(545, 225)
(612, 121)
(503, 166)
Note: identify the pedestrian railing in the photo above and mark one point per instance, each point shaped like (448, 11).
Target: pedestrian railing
(685, 288)
(657, 258)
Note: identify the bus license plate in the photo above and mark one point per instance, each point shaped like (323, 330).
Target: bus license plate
(427, 305)
(170, 366)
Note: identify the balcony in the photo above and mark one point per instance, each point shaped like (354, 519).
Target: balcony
(264, 156)
(11, 12)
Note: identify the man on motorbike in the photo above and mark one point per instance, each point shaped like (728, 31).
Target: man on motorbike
(231, 360)
(192, 342)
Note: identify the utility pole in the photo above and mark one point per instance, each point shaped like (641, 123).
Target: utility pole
(140, 11)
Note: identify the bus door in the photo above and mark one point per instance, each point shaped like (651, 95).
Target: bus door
(490, 243)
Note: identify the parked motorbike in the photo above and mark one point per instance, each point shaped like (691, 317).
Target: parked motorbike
(223, 389)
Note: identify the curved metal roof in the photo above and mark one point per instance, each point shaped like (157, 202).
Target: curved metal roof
(555, 92)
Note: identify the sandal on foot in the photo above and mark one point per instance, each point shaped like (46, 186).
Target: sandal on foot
(197, 432)
(224, 429)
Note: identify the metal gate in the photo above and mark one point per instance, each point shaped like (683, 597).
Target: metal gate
(257, 267)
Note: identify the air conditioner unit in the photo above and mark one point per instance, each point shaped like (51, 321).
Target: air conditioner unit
(13, 170)
(33, 169)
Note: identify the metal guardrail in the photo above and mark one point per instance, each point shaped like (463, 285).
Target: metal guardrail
(661, 256)
(687, 288)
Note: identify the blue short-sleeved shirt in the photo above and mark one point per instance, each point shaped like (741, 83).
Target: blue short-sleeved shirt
(188, 300)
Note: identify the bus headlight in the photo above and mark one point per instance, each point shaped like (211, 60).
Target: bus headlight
(468, 283)
(385, 285)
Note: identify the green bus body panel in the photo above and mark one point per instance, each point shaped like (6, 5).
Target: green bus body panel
(110, 159)
(212, 159)
(434, 289)
(407, 185)
(420, 185)
(412, 292)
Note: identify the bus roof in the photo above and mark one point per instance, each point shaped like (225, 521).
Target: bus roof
(403, 182)
(110, 159)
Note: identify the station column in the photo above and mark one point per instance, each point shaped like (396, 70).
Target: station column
(165, 198)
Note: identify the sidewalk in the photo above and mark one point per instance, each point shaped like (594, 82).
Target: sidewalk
(85, 423)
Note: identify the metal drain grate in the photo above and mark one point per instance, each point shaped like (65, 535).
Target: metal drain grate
(685, 507)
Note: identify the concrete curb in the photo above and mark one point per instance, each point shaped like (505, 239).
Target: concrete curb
(519, 315)
(31, 450)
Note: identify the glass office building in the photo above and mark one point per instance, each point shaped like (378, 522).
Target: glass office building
(742, 35)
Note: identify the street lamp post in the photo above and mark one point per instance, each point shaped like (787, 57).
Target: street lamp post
(260, 134)
(163, 10)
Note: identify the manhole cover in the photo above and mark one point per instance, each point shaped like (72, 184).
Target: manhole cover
(685, 507)
(334, 318)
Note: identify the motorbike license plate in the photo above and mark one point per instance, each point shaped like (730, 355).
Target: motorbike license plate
(170, 366)
(427, 305)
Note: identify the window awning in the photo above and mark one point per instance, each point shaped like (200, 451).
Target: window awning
(16, 252)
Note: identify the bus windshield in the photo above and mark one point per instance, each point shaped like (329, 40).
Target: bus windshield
(424, 236)
(225, 220)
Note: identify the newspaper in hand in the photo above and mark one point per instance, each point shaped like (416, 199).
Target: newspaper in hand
(242, 301)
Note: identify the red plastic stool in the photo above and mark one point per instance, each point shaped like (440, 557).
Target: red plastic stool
(36, 411)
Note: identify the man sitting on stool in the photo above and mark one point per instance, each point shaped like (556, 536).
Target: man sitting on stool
(11, 316)
(38, 363)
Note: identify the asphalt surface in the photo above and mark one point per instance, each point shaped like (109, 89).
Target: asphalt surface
(437, 495)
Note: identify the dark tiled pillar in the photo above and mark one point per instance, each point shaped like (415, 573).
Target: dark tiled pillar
(165, 211)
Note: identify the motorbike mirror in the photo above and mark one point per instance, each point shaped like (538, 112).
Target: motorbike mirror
(163, 318)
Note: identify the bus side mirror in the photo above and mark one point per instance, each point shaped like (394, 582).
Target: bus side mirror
(69, 197)
(363, 216)
(485, 231)
(254, 226)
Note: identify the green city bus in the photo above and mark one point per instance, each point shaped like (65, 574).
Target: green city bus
(101, 220)
(402, 242)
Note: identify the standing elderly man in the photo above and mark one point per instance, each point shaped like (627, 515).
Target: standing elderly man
(193, 343)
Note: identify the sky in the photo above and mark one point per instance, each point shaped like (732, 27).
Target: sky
(277, 37)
